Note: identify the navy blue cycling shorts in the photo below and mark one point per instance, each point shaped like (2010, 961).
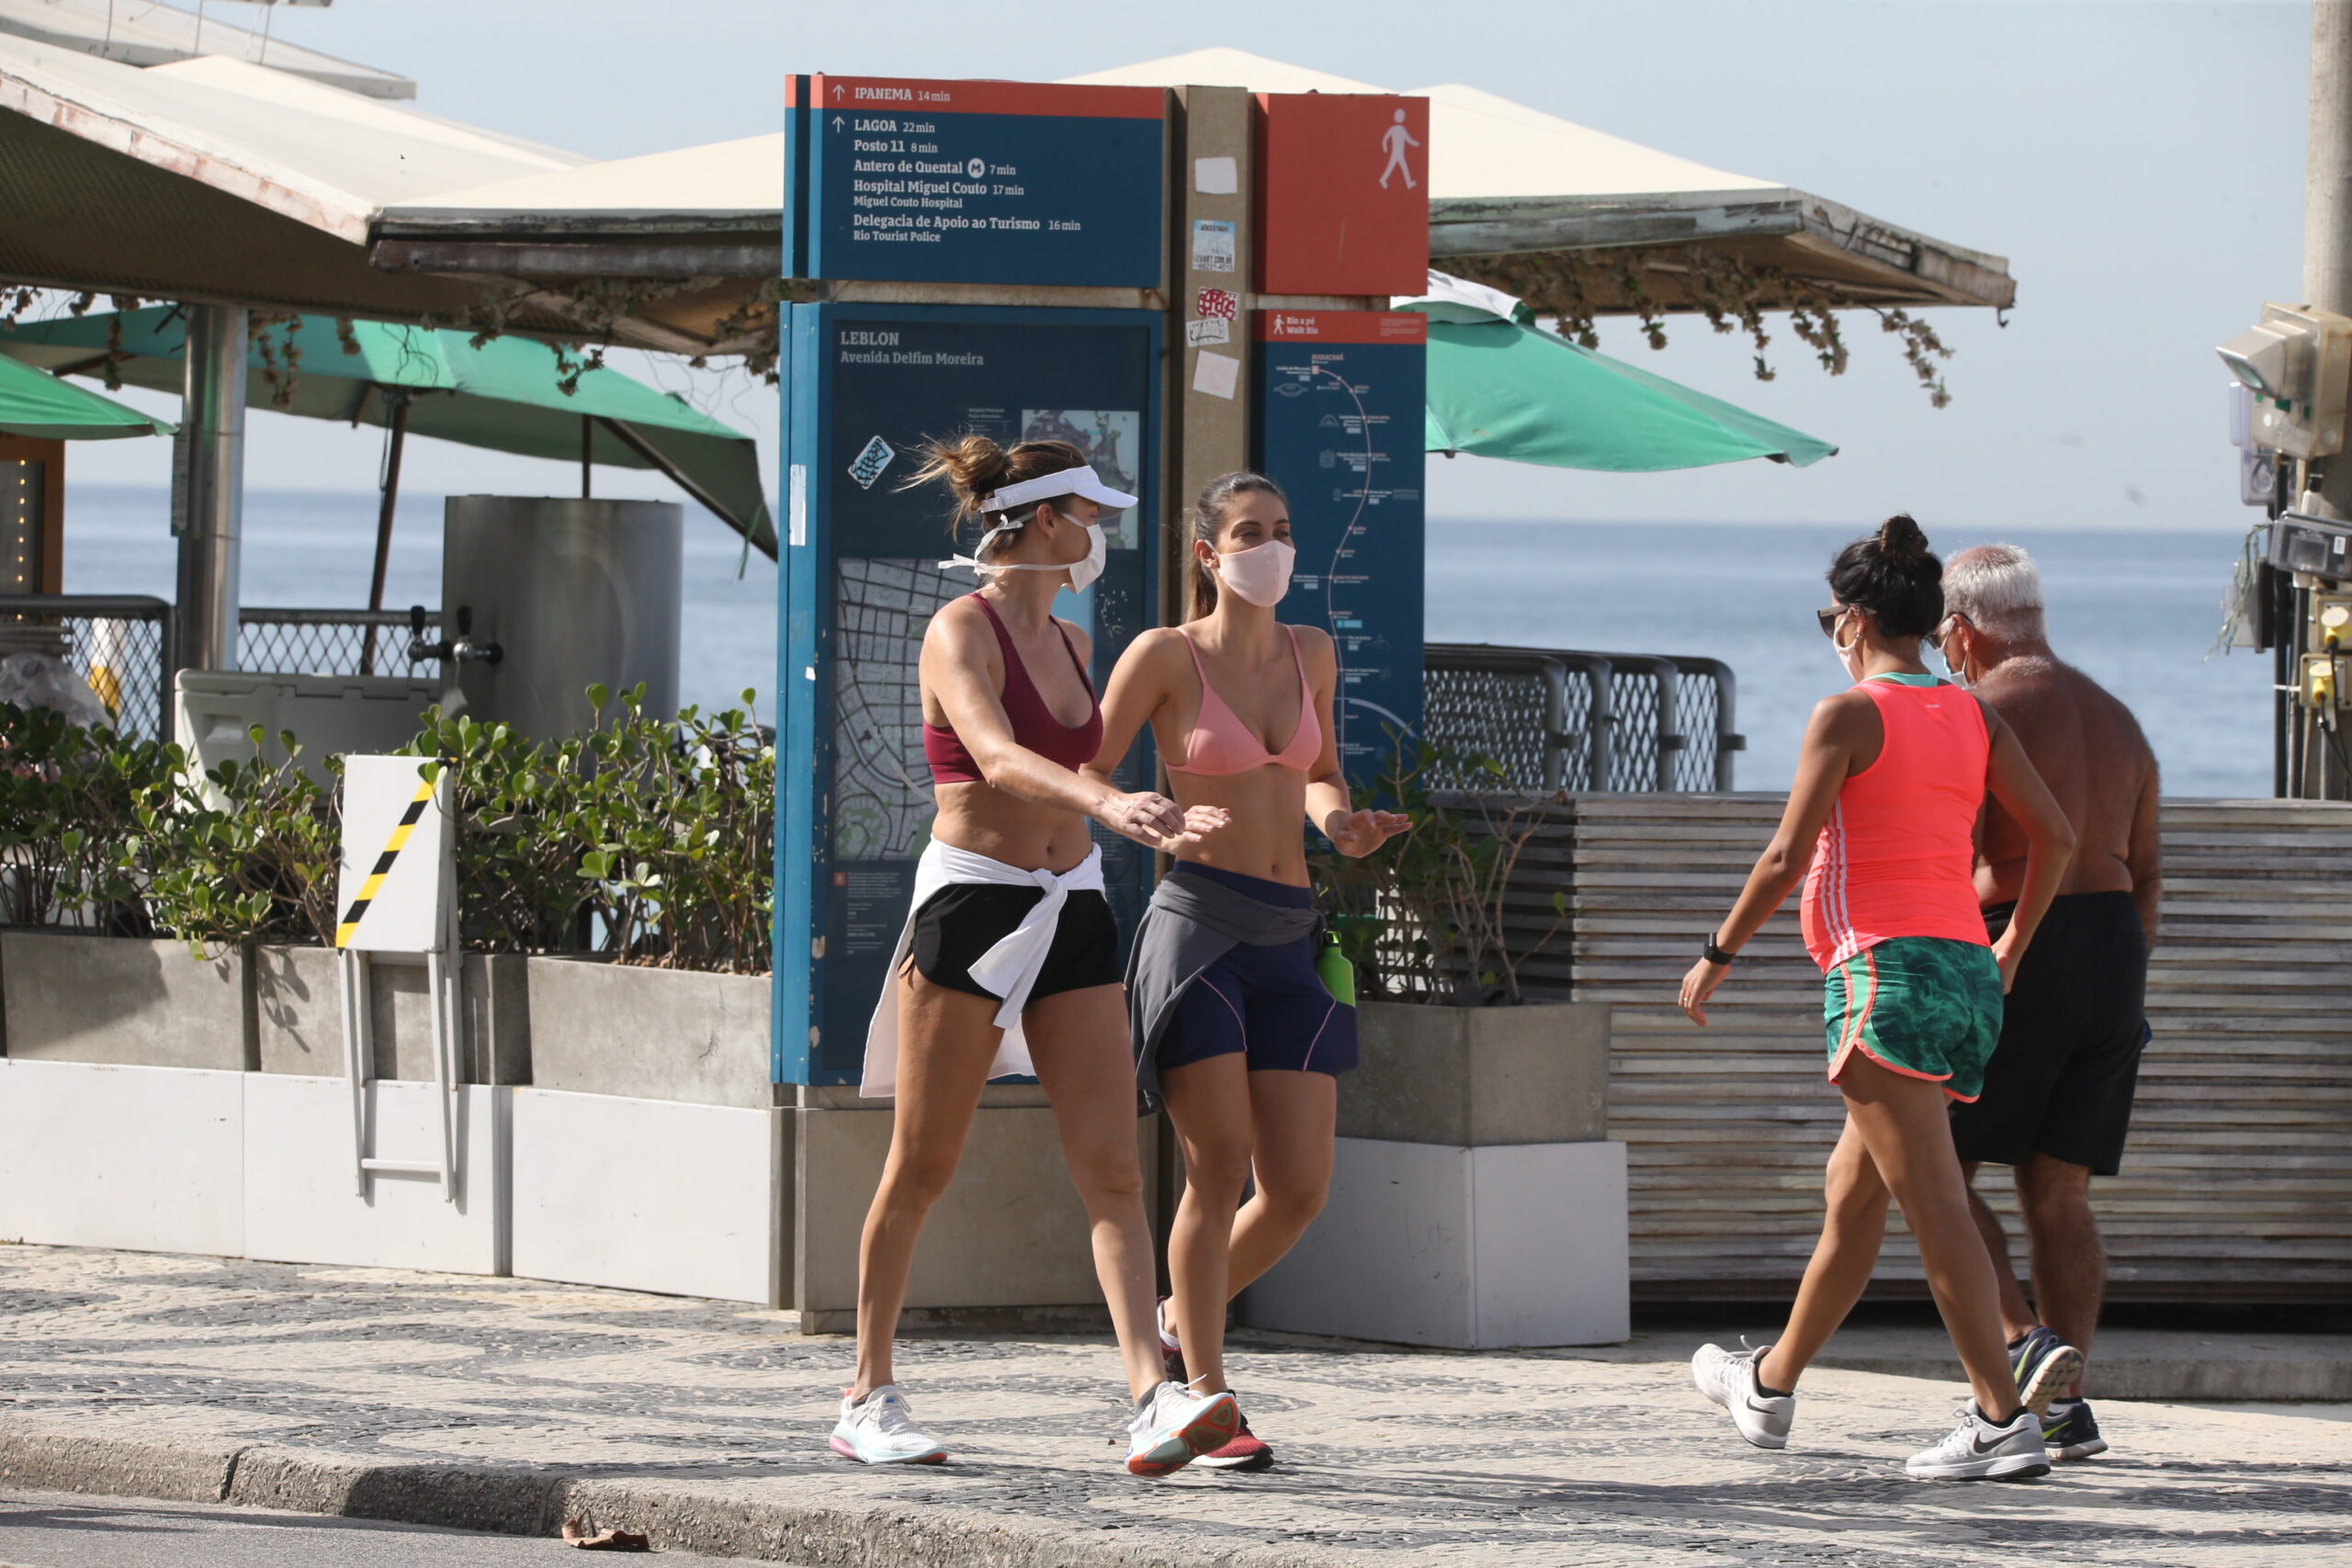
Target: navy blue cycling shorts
(1266, 1003)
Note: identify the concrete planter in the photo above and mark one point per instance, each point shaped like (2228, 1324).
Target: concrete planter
(123, 1001)
(1475, 1202)
(668, 1034)
(297, 1017)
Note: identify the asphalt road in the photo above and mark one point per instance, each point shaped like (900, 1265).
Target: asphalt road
(64, 1530)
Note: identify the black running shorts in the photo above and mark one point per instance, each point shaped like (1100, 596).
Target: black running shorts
(2062, 1079)
(960, 922)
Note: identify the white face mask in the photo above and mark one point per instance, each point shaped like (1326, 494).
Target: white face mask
(1082, 571)
(1261, 574)
(1848, 653)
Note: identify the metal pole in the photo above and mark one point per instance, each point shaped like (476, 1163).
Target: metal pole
(384, 526)
(208, 487)
(2327, 196)
(587, 455)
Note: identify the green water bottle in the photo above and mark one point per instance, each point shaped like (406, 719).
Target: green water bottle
(1331, 967)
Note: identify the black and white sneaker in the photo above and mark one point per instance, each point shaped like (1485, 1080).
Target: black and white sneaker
(2069, 1431)
(1978, 1450)
(1728, 1376)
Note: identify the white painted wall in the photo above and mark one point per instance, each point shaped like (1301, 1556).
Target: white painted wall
(644, 1195)
(1483, 1248)
(144, 1158)
(300, 1201)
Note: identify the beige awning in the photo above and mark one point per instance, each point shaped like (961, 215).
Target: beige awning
(137, 32)
(216, 179)
(1507, 178)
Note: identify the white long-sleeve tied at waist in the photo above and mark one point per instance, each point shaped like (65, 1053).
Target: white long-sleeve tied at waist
(1008, 969)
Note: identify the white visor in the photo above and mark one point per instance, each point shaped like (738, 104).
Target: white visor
(1047, 486)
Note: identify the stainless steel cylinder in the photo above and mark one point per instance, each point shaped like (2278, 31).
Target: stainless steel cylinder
(208, 487)
(570, 594)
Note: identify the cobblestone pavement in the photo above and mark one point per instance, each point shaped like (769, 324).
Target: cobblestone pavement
(1389, 1457)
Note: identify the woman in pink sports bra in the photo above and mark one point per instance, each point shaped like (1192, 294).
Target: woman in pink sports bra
(1227, 1011)
(1009, 962)
(1881, 829)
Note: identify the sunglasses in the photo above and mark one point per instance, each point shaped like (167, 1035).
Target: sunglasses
(1829, 618)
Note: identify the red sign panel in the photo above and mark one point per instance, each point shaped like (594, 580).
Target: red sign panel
(907, 95)
(1402, 327)
(1343, 199)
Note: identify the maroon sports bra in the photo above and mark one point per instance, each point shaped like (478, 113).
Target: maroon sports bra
(1033, 724)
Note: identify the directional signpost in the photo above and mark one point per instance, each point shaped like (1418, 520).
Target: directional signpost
(869, 383)
(1017, 183)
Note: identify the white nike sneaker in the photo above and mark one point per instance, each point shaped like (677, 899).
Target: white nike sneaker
(1176, 1425)
(1978, 1450)
(1728, 1376)
(880, 1429)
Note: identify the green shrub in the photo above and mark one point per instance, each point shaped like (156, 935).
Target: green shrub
(649, 840)
(1430, 916)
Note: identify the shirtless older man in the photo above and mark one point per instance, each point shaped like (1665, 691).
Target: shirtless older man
(2057, 1098)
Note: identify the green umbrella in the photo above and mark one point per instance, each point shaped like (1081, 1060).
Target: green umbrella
(1501, 387)
(33, 402)
(431, 381)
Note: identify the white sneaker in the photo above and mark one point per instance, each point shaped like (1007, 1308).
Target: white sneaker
(880, 1429)
(1978, 1450)
(1176, 1425)
(1728, 1376)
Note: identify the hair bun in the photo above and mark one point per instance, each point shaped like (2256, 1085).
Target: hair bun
(1901, 539)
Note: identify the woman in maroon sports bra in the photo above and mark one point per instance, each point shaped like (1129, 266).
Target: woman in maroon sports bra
(1226, 1003)
(1010, 960)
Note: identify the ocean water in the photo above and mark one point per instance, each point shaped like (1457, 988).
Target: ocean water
(2138, 611)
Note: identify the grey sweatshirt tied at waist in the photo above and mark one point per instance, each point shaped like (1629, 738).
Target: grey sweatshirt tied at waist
(1191, 924)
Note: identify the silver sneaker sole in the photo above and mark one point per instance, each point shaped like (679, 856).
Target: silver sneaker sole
(2060, 1368)
(2005, 1466)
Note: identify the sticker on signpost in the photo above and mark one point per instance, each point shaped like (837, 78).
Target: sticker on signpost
(1208, 329)
(1212, 245)
(1218, 375)
(871, 461)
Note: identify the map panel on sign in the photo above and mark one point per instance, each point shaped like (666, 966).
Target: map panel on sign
(1340, 412)
(882, 800)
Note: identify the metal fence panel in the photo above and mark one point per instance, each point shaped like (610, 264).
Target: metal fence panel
(119, 643)
(328, 642)
(1560, 719)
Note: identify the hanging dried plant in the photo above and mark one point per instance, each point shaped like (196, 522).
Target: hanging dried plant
(1575, 289)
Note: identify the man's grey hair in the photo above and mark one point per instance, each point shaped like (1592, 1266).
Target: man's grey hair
(1999, 588)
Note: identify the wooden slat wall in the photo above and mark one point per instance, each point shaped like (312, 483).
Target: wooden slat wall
(2238, 1179)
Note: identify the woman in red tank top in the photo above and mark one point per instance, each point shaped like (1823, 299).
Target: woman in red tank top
(1009, 963)
(1879, 828)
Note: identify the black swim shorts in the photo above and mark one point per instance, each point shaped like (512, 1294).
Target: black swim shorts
(960, 922)
(2062, 1079)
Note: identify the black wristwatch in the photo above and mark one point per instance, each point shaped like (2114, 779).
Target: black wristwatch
(1714, 954)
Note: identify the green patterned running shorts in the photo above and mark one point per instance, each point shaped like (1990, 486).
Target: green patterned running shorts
(1923, 1006)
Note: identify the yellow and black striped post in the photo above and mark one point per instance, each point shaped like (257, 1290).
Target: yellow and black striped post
(349, 925)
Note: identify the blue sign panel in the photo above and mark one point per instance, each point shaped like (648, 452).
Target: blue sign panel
(1339, 410)
(905, 181)
(864, 386)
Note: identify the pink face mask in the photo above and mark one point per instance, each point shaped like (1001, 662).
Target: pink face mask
(1261, 575)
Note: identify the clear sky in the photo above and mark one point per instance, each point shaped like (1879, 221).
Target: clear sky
(2140, 164)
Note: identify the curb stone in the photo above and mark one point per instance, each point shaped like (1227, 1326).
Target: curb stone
(51, 1456)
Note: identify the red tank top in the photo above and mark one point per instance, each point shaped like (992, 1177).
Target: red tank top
(1033, 724)
(1898, 854)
